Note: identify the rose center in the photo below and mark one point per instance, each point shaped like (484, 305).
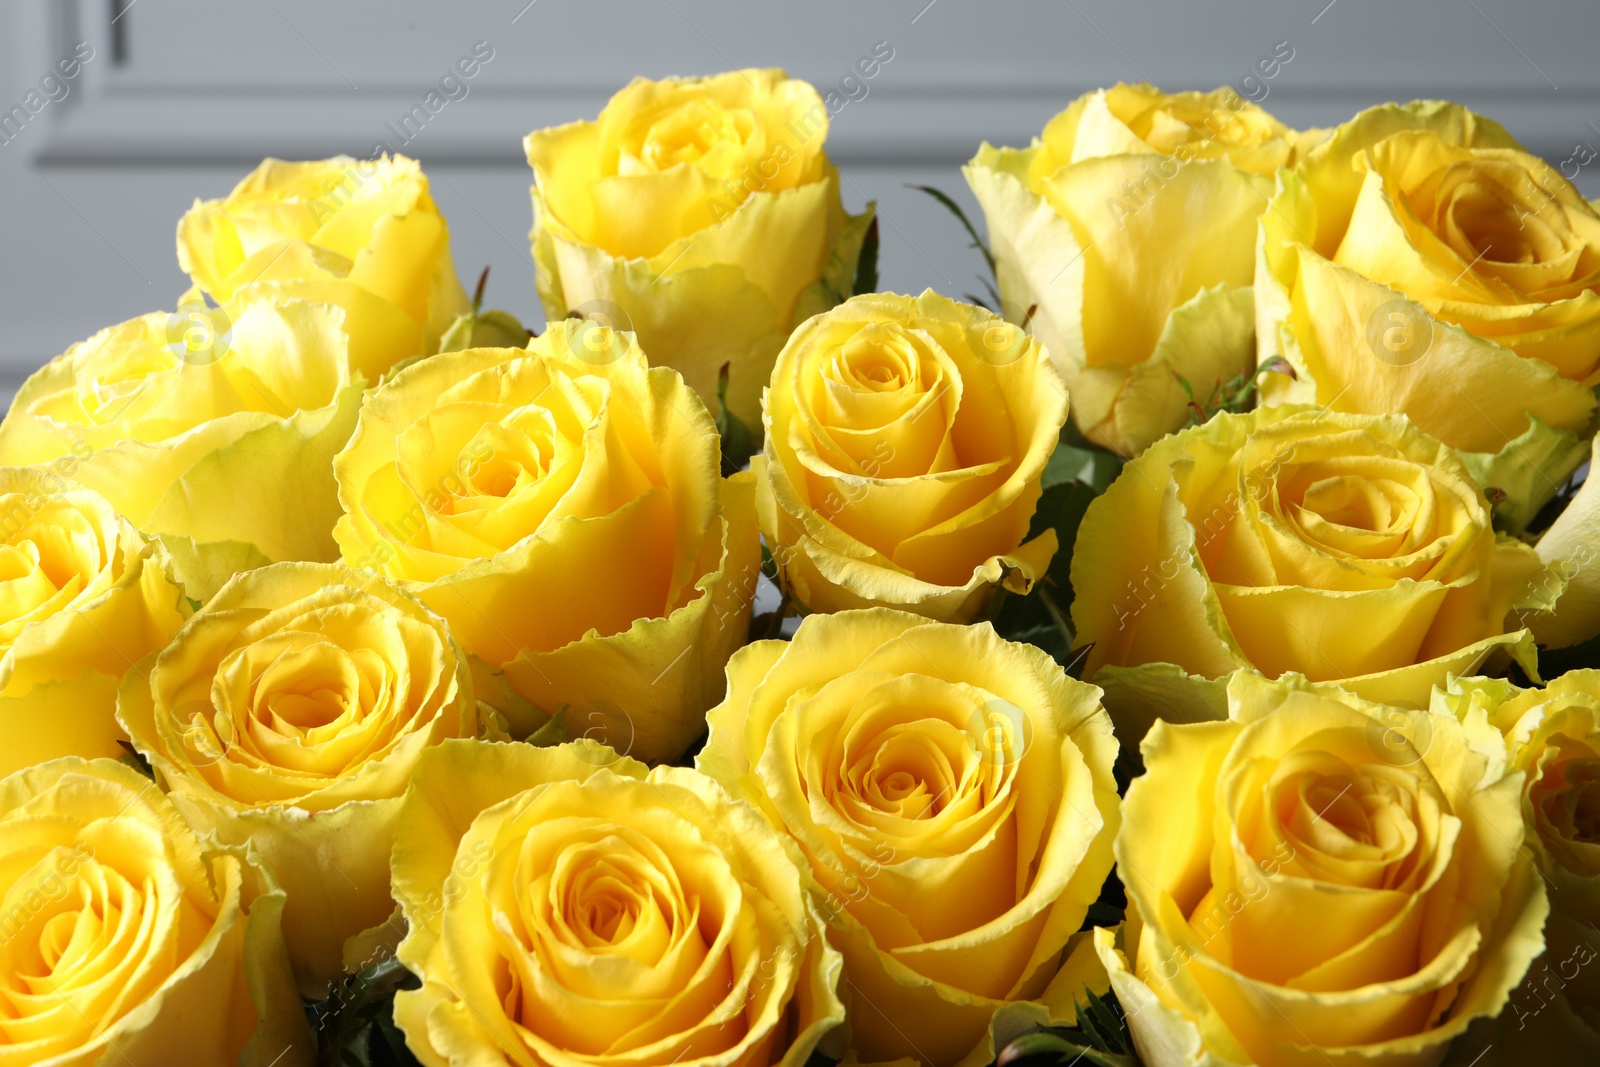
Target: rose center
(1357, 503)
(1331, 801)
(1568, 791)
(612, 898)
(910, 778)
(689, 134)
(877, 361)
(1586, 813)
(71, 941)
(307, 688)
(504, 457)
(885, 397)
(608, 915)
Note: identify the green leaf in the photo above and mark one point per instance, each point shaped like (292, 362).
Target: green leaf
(842, 274)
(1527, 473)
(1099, 1037)
(394, 1043)
(1075, 474)
(477, 294)
(1554, 662)
(955, 209)
(355, 1023)
(1091, 466)
(867, 264)
(1137, 696)
(994, 294)
(132, 757)
(1048, 637)
(736, 444)
(553, 732)
(1235, 395)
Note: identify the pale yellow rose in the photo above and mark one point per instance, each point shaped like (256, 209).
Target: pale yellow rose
(953, 794)
(221, 446)
(288, 715)
(1125, 238)
(83, 597)
(905, 442)
(561, 506)
(1419, 262)
(567, 909)
(1552, 738)
(364, 235)
(1346, 548)
(1571, 547)
(700, 213)
(124, 940)
(1319, 880)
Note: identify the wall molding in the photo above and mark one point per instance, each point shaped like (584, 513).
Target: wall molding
(892, 126)
(934, 105)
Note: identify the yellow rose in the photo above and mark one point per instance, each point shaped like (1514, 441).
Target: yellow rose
(1318, 880)
(362, 235)
(1552, 738)
(567, 909)
(83, 597)
(288, 715)
(1125, 238)
(1571, 547)
(561, 506)
(1419, 262)
(905, 441)
(953, 794)
(219, 444)
(1346, 548)
(701, 213)
(124, 940)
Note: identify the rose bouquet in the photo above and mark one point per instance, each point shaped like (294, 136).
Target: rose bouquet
(1192, 659)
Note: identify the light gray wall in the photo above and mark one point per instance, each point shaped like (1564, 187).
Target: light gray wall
(92, 187)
